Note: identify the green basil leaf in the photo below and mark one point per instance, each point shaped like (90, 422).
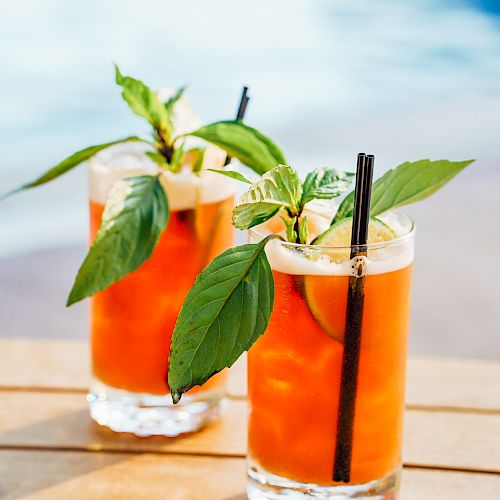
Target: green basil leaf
(224, 313)
(325, 184)
(134, 217)
(144, 103)
(280, 187)
(233, 174)
(244, 143)
(405, 184)
(171, 101)
(158, 158)
(69, 163)
(291, 234)
(303, 231)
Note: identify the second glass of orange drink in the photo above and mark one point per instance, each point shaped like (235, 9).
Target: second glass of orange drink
(132, 321)
(295, 369)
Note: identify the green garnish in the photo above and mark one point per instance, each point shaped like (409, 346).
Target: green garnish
(231, 297)
(238, 140)
(281, 189)
(224, 313)
(325, 184)
(145, 103)
(134, 218)
(136, 210)
(69, 163)
(405, 184)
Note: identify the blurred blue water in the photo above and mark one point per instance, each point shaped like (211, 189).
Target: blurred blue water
(401, 79)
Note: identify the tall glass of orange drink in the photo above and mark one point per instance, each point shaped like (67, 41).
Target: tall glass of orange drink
(132, 321)
(294, 370)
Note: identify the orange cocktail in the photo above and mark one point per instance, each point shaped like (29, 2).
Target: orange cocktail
(133, 319)
(294, 369)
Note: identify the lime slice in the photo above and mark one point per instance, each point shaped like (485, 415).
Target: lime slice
(339, 235)
(326, 296)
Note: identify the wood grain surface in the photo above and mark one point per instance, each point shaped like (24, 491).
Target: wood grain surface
(50, 448)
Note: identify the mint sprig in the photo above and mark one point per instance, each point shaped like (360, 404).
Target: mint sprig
(145, 103)
(247, 144)
(278, 188)
(134, 217)
(224, 313)
(281, 188)
(137, 208)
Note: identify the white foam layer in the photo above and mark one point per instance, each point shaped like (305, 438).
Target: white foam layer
(184, 190)
(312, 260)
(286, 260)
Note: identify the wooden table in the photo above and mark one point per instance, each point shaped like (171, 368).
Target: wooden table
(49, 447)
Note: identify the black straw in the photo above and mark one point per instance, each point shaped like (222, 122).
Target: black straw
(241, 113)
(354, 319)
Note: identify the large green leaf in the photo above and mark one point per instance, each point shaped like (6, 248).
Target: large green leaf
(280, 187)
(325, 184)
(407, 183)
(69, 163)
(145, 103)
(244, 143)
(224, 313)
(134, 217)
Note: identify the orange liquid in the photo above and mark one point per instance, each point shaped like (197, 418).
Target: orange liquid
(132, 321)
(295, 371)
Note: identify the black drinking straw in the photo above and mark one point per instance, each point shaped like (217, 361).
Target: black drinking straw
(241, 113)
(354, 319)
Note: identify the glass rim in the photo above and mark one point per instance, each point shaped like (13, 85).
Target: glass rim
(379, 245)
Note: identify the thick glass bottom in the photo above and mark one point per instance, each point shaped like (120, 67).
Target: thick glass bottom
(262, 485)
(153, 415)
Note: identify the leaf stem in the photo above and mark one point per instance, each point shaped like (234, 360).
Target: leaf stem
(167, 150)
(296, 228)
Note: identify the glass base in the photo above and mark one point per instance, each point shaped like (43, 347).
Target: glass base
(263, 485)
(153, 415)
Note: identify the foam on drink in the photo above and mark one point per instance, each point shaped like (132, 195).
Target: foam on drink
(185, 190)
(292, 259)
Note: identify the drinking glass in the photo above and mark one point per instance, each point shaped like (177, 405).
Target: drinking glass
(294, 370)
(131, 322)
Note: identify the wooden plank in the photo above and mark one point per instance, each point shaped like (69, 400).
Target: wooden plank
(455, 440)
(63, 475)
(60, 421)
(63, 364)
(44, 364)
(452, 383)
(444, 485)
(108, 476)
